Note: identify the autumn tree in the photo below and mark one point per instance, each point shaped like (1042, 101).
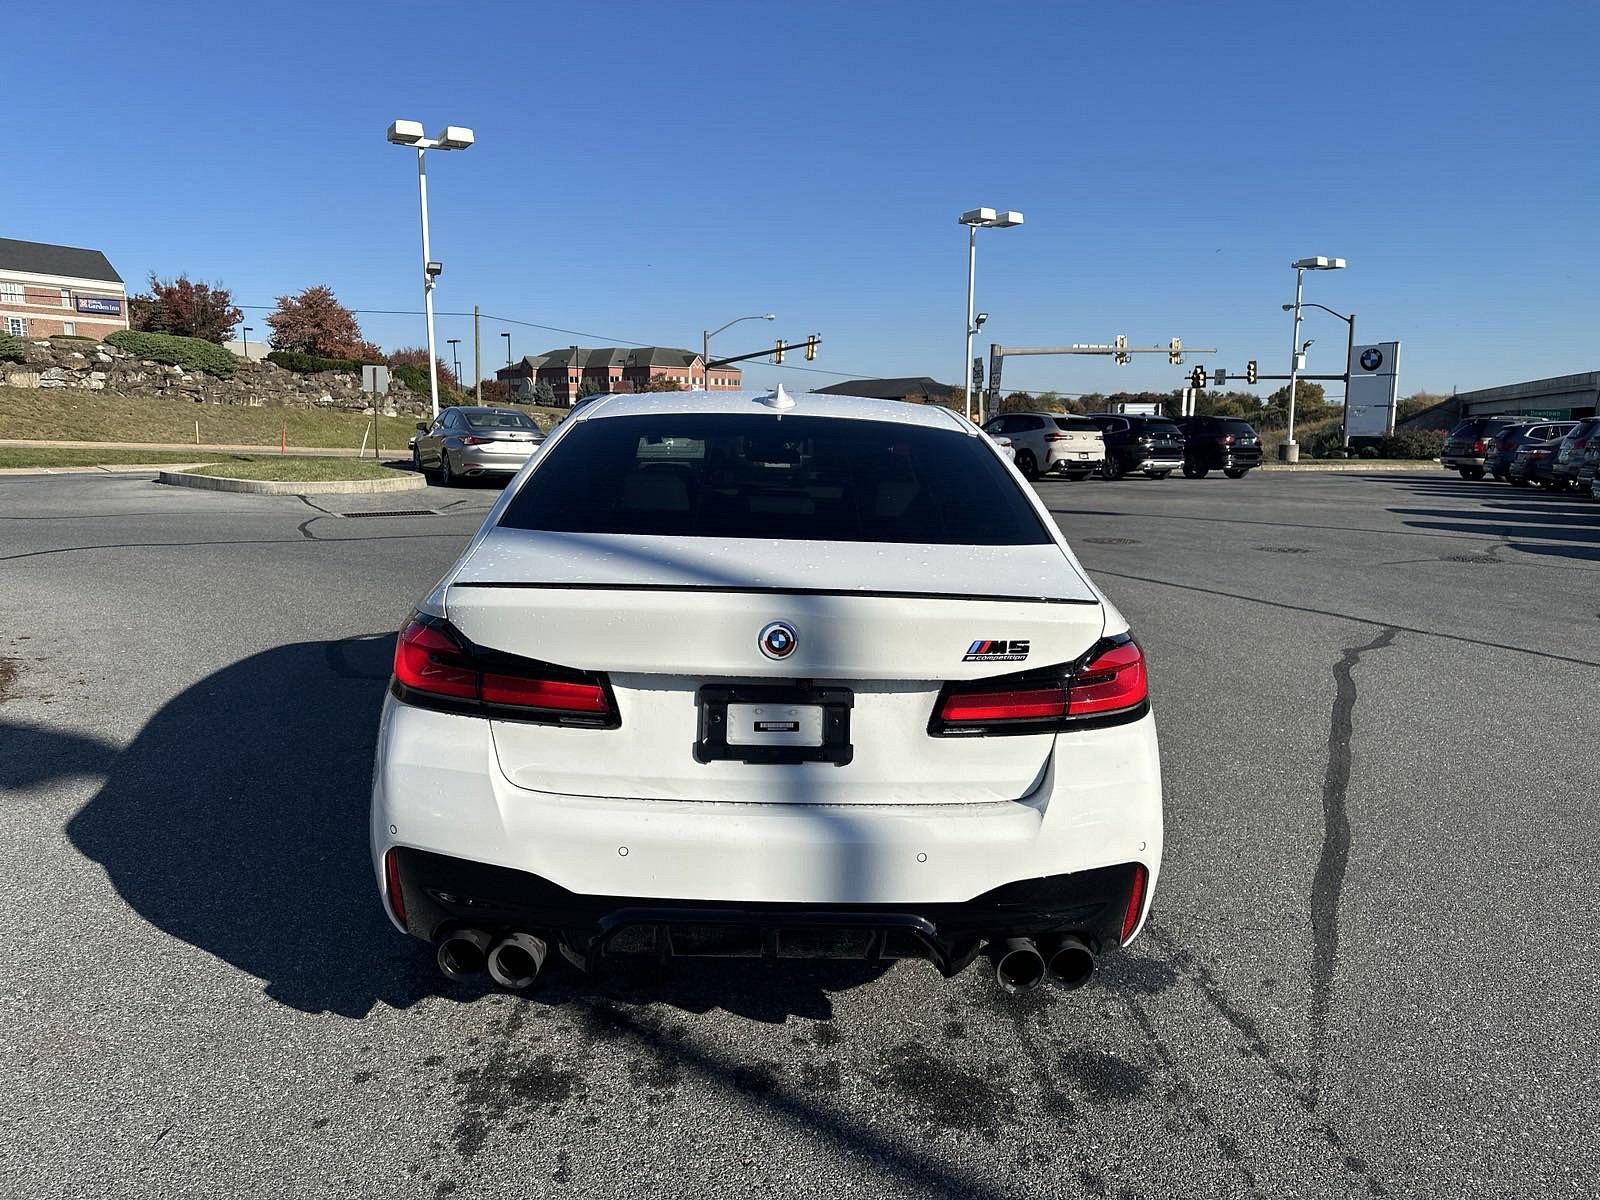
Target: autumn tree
(417, 356)
(661, 383)
(186, 308)
(314, 322)
(1309, 405)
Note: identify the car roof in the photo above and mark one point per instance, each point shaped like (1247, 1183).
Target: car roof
(758, 401)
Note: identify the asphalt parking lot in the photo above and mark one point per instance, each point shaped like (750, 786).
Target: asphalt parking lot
(1370, 968)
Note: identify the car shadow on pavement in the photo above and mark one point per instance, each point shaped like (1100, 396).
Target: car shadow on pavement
(236, 821)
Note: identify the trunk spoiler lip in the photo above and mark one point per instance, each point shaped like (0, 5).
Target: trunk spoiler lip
(769, 590)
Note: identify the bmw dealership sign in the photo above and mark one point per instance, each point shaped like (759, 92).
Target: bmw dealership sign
(1373, 389)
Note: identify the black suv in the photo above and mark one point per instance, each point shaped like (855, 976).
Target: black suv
(1153, 445)
(1467, 445)
(1570, 452)
(1225, 444)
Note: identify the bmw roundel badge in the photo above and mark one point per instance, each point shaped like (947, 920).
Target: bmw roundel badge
(778, 640)
(1372, 358)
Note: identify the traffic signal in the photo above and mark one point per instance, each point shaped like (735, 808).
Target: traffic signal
(1175, 351)
(811, 347)
(777, 351)
(1250, 371)
(1197, 378)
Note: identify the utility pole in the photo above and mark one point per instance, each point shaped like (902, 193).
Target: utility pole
(477, 357)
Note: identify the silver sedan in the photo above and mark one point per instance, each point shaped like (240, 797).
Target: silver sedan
(466, 443)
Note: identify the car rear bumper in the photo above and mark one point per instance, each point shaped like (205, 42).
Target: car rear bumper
(1454, 462)
(444, 893)
(1071, 462)
(1158, 462)
(482, 460)
(440, 801)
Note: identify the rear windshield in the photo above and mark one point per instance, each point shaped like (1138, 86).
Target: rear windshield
(1236, 428)
(1164, 428)
(1477, 426)
(739, 475)
(500, 420)
(1078, 424)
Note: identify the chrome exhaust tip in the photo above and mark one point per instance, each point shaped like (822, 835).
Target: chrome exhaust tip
(516, 960)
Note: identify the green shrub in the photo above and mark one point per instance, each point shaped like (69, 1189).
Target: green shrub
(1412, 443)
(309, 364)
(412, 378)
(191, 354)
(1327, 442)
(11, 348)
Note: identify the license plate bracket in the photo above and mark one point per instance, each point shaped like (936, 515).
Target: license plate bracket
(833, 727)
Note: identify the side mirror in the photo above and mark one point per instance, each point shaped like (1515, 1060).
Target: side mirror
(422, 427)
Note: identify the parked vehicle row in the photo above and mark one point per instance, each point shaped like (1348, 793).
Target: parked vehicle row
(1120, 444)
(1558, 455)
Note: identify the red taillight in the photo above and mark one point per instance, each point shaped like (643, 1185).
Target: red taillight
(1025, 704)
(1141, 880)
(1225, 440)
(1479, 446)
(1114, 680)
(431, 660)
(1111, 683)
(475, 441)
(1058, 437)
(544, 693)
(392, 891)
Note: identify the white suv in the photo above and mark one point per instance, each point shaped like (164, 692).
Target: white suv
(760, 675)
(1051, 443)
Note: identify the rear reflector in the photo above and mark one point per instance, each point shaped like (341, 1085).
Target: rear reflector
(1141, 879)
(392, 891)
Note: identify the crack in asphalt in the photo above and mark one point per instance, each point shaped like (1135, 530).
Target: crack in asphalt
(1328, 883)
(1323, 612)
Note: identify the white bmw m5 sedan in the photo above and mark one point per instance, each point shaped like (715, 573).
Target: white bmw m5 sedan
(752, 674)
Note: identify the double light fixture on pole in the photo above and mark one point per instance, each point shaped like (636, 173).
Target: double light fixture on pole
(975, 219)
(705, 344)
(1289, 451)
(452, 137)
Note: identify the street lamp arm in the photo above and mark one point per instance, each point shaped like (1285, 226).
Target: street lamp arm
(736, 320)
(1323, 307)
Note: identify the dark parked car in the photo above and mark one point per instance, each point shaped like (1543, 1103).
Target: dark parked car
(1591, 466)
(1225, 444)
(1570, 451)
(1533, 463)
(1503, 449)
(1153, 445)
(1467, 445)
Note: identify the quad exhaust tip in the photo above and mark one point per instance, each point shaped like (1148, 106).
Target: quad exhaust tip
(1070, 960)
(463, 953)
(1020, 967)
(516, 960)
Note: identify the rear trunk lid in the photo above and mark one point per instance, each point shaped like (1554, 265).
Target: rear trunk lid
(665, 621)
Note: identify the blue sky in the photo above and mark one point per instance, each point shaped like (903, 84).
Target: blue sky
(647, 170)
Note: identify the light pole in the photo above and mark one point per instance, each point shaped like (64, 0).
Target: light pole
(975, 219)
(705, 344)
(1349, 351)
(248, 330)
(1289, 451)
(452, 137)
(507, 335)
(455, 359)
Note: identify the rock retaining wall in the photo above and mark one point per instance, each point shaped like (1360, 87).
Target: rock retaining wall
(95, 366)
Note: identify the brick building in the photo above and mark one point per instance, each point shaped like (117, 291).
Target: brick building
(47, 289)
(610, 369)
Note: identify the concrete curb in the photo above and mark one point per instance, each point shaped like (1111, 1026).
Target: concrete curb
(305, 487)
(1355, 464)
(105, 468)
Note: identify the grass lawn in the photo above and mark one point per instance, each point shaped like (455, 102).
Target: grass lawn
(298, 470)
(69, 414)
(55, 456)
